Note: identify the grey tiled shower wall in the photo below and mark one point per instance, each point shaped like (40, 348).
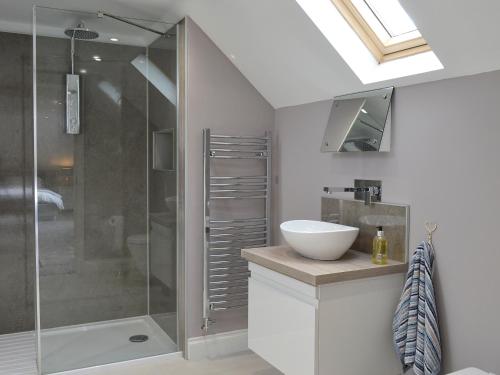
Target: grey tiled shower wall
(16, 170)
(88, 272)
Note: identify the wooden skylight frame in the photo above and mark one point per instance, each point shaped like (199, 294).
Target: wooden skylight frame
(382, 52)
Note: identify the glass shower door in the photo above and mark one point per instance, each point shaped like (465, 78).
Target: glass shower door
(106, 247)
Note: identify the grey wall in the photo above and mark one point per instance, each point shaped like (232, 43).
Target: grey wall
(87, 270)
(221, 98)
(16, 170)
(444, 163)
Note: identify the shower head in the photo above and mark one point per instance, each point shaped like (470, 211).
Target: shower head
(80, 32)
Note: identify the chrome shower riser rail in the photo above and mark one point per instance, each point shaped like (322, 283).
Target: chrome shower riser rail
(225, 272)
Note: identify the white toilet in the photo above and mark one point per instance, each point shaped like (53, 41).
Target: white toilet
(162, 256)
(470, 371)
(137, 245)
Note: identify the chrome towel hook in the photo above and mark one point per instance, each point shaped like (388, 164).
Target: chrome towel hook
(430, 228)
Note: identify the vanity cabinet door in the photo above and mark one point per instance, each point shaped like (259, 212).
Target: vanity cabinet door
(355, 326)
(282, 326)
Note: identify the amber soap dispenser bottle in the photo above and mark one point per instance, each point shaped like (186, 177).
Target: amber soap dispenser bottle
(379, 252)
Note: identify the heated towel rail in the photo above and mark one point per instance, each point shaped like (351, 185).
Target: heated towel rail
(225, 234)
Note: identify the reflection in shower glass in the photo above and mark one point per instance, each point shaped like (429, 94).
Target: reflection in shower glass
(17, 256)
(107, 234)
(162, 96)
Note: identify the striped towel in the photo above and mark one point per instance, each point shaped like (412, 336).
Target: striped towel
(415, 325)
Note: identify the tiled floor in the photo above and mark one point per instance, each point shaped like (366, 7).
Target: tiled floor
(241, 364)
(17, 354)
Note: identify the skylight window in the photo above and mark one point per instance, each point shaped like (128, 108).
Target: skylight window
(392, 17)
(384, 27)
(368, 59)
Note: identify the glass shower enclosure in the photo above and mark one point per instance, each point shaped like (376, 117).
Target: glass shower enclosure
(105, 187)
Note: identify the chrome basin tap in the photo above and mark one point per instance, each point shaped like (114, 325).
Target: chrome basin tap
(371, 193)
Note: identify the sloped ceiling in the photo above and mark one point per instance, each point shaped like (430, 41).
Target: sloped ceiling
(283, 54)
(288, 60)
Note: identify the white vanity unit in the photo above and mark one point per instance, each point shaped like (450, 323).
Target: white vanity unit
(310, 317)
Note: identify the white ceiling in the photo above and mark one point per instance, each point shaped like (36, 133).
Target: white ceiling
(283, 54)
(16, 15)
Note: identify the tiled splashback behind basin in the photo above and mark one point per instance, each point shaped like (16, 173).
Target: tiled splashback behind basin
(394, 218)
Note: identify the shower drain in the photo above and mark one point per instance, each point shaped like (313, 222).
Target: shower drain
(139, 338)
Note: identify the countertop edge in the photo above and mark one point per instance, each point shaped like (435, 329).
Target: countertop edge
(318, 280)
(279, 267)
(362, 274)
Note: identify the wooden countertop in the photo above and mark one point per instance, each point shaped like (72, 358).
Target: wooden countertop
(353, 265)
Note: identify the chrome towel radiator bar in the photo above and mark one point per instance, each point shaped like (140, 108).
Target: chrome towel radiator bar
(225, 272)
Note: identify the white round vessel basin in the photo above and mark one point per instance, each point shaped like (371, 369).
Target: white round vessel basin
(318, 239)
